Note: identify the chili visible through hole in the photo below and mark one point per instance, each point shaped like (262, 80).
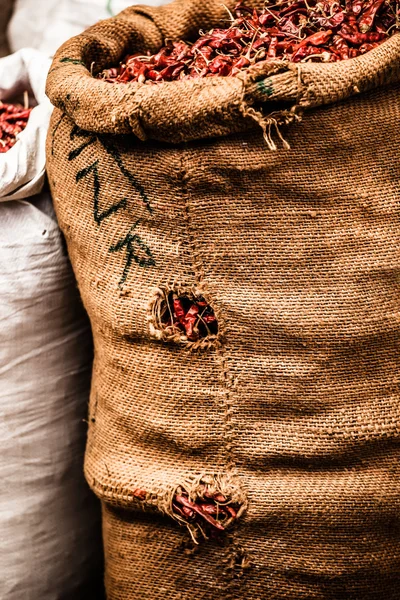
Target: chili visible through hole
(188, 314)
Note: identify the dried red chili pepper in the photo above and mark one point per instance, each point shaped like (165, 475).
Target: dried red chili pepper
(210, 509)
(272, 47)
(13, 120)
(316, 39)
(366, 20)
(315, 30)
(199, 509)
(139, 494)
(357, 6)
(355, 37)
(189, 315)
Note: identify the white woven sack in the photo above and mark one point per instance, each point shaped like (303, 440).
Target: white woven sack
(22, 168)
(49, 521)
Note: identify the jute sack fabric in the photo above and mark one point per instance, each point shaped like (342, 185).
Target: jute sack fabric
(292, 410)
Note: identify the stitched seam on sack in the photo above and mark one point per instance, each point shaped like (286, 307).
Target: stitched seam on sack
(221, 352)
(198, 271)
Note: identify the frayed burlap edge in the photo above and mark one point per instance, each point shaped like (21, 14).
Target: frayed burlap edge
(160, 500)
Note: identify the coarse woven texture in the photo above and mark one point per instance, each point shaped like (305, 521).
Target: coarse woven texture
(198, 108)
(293, 410)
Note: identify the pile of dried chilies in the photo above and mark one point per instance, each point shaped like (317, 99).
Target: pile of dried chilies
(295, 31)
(13, 120)
(211, 512)
(191, 316)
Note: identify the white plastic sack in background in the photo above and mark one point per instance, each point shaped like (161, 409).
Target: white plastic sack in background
(49, 520)
(46, 24)
(22, 168)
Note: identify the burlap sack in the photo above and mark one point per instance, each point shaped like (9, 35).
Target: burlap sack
(292, 409)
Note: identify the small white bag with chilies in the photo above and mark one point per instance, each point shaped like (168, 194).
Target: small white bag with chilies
(49, 520)
(22, 168)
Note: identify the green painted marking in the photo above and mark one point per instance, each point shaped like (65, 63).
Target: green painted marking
(98, 214)
(74, 61)
(114, 152)
(55, 131)
(109, 8)
(265, 86)
(54, 69)
(77, 131)
(136, 251)
(75, 153)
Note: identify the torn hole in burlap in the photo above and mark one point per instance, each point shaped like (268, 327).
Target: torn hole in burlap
(198, 328)
(207, 505)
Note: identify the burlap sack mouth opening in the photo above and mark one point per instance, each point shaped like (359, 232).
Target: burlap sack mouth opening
(200, 108)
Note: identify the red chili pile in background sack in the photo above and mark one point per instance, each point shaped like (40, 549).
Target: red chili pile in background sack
(13, 120)
(303, 30)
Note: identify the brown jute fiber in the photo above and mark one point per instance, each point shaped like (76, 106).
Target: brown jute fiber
(292, 410)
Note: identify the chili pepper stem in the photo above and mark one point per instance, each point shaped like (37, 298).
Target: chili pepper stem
(204, 323)
(202, 532)
(205, 58)
(232, 18)
(247, 55)
(192, 534)
(170, 311)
